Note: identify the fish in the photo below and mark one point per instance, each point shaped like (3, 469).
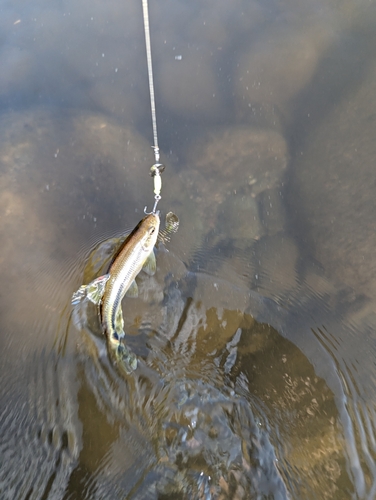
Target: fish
(135, 254)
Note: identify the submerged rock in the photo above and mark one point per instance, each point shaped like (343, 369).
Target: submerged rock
(228, 169)
(236, 157)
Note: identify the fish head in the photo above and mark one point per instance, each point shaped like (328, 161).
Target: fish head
(149, 229)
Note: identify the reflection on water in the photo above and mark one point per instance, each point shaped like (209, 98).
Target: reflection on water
(256, 335)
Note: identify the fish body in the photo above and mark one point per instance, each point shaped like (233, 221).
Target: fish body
(136, 253)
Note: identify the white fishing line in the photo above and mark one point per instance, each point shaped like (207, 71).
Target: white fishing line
(151, 80)
(157, 168)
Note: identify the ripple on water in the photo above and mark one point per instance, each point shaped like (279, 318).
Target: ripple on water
(180, 437)
(41, 436)
(189, 423)
(174, 428)
(360, 424)
(177, 427)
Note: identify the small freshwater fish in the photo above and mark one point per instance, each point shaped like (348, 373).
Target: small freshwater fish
(135, 254)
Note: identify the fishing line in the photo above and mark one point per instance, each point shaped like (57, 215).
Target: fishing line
(158, 167)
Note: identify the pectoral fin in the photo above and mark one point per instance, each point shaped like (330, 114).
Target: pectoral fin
(93, 291)
(150, 265)
(132, 290)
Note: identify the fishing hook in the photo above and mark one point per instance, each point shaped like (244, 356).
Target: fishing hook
(157, 197)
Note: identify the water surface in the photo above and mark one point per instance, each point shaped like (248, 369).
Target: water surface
(255, 338)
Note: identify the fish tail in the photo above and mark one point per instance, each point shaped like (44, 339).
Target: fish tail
(124, 357)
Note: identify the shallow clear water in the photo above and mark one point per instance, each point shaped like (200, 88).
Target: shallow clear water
(256, 336)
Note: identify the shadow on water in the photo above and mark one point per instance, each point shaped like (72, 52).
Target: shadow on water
(341, 328)
(343, 68)
(340, 74)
